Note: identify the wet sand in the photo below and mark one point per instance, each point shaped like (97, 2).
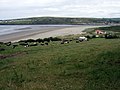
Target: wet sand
(47, 32)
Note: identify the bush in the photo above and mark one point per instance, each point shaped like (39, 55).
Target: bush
(1, 43)
(110, 36)
(40, 40)
(47, 39)
(55, 39)
(30, 40)
(90, 36)
(22, 41)
(94, 36)
(87, 36)
(2, 49)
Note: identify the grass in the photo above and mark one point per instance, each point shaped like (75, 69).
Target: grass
(111, 28)
(92, 65)
(107, 29)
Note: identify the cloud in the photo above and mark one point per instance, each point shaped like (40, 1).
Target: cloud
(64, 8)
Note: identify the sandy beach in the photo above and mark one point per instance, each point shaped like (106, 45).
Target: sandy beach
(47, 32)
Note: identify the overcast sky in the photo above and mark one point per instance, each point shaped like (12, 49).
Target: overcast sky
(61, 8)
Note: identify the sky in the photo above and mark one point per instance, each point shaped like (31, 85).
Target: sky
(12, 9)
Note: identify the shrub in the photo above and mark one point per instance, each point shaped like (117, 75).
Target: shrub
(40, 40)
(94, 36)
(87, 36)
(2, 49)
(30, 40)
(110, 36)
(1, 43)
(55, 39)
(23, 44)
(47, 39)
(22, 41)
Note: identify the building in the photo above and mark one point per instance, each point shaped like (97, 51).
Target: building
(99, 32)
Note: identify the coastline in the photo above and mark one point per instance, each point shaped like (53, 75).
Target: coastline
(45, 33)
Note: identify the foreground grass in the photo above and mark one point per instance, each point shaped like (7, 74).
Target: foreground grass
(92, 65)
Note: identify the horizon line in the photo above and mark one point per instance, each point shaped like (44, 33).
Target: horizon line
(55, 17)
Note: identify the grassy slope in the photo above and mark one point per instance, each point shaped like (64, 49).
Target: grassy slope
(115, 29)
(92, 65)
(59, 20)
(111, 28)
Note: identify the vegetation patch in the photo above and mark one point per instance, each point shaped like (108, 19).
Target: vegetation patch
(87, 65)
(12, 55)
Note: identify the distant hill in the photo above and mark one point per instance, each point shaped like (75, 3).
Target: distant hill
(59, 20)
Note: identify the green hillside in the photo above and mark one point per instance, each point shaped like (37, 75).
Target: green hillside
(111, 28)
(60, 20)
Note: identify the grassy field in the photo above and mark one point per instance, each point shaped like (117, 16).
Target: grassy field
(90, 65)
(110, 29)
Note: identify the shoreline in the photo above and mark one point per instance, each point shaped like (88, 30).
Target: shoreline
(44, 33)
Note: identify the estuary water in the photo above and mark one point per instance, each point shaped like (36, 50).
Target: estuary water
(8, 29)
